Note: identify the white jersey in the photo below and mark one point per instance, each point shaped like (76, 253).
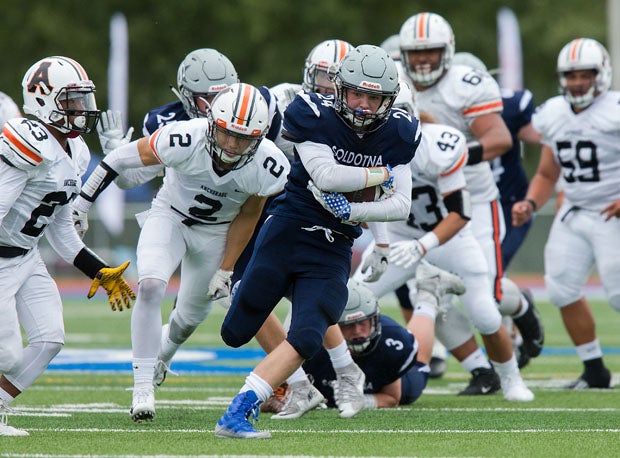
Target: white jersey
(461, 95)
(8, 109)
(195, 190)
(587, 147)
(436, 169)
(52, 179)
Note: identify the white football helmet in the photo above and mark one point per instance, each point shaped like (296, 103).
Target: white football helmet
(321, 64)
(392, 46)
(367, 69)
(238, 121)
(584, 54)
(426, 31)
(58, 92)
(202, 74)
(361, 305)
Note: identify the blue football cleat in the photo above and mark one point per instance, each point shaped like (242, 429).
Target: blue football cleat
(235, 422)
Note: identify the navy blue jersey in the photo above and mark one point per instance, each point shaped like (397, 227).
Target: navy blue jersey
(311, 117)
(393, 357)
(165, 114)
(508, 170)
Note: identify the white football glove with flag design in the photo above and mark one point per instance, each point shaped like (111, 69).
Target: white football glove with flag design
(334, 202)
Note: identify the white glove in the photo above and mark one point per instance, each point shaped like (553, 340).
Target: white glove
(80, 221)
(377, 262)
(334, 202)
(406, 253)
(219, 286)
(110, 130)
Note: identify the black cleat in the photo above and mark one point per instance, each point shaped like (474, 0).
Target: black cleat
(531, 327)
(483, 381)
(591, 380)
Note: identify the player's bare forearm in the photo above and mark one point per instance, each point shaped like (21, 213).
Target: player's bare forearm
(241, 230)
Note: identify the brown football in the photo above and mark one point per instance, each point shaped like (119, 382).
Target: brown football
(370, 194)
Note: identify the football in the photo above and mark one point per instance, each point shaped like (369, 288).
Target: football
(370, 194)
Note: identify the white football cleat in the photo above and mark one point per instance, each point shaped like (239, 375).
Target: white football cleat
(349, 390)
(514, 389)
(5, 429)
(302, 397)
(143, 405)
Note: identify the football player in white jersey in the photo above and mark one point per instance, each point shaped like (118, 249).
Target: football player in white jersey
(220, 171)
(469, 100)
(8, 109)
(438, 224)
(581, 147)
(43, 160)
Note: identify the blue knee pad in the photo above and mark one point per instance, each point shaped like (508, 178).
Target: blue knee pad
(307, 341)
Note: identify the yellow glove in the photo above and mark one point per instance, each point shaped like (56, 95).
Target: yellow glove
(111, 279)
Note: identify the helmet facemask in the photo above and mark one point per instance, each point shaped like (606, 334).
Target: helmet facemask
(238, 122)
(426, 74)
(76, 110)
(358, 119)
(361, 306)
(231, 150)
(584, 54)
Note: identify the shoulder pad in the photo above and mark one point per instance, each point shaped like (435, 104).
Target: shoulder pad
(24, 143)
(445, 148)
(273, 166)
(478, 91)
(302, 114)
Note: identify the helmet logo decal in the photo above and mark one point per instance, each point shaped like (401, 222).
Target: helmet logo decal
(370, 85)
(41, 76)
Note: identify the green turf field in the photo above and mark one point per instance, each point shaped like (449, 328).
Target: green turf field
(74, 414)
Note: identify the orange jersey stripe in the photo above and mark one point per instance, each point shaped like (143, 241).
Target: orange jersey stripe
(493, 106)
(153, 140)
(458, 165)
(242, 112)
(22, 148)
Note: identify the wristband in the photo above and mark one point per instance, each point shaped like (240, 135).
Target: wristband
(474, 150)
(533, 204)
(88, 262)
(370, 401)
(375, 176)
(429, 241)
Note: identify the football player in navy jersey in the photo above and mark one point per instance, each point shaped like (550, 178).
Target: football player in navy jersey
(343, 142)
(394, 360)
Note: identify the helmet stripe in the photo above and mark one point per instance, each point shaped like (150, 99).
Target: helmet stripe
(575, 49)
(341, 50)
(77, 67)
(422, 25)
(243, 105)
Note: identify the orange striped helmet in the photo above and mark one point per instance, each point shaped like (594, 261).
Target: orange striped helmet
(584, 54)
(58, 92)
(238, 121)
(426, 31)
(322, 63)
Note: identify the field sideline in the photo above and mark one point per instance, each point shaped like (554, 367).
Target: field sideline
(84, 411)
